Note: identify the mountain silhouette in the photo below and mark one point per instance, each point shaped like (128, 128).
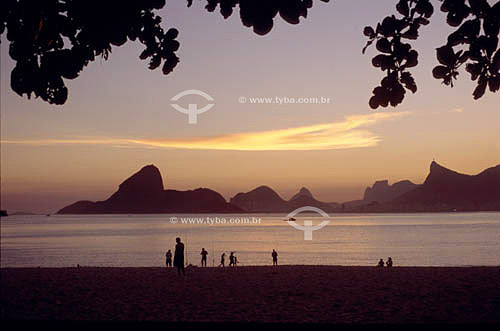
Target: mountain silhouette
(445, 190)
(261, 199)
(305, 198)
(303, 192)
(264, 200)
(143, 192)
(381, 191)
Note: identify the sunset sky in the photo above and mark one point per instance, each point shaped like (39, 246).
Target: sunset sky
(118, 116)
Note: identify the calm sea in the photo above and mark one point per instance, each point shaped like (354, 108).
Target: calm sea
(442, 239)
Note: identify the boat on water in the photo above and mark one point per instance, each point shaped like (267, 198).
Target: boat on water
(291, 219)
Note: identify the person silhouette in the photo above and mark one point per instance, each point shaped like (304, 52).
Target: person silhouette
(168, 258)
(231, 260)
(274, 254)
(235, 260)
(203, 254)
(389, 262)
(380, 263)
(179, 256)
(222, 260)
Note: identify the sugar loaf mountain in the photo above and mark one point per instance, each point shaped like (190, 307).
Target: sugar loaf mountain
(143, 193)
(442, 190)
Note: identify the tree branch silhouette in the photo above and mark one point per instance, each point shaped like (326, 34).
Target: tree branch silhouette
(259, 14)
(477, 37)
(53, 40)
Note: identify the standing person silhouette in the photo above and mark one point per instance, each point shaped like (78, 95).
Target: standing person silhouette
(231, 259)
(179, 256)
(203, 254)
(389, 262)
(275, 257)
(380, 263)
(168, 258)
(222, 260)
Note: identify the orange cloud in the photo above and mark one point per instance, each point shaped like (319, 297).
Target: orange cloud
(348, 133)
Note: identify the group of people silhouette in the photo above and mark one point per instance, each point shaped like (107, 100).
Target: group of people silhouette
(179, 258)
(233, 260)
(388, 263)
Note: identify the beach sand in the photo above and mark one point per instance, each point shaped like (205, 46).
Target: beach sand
(317, 294)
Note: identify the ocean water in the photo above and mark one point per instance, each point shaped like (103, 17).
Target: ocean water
(438, 239)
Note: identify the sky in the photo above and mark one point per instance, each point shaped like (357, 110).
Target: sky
(118, 116)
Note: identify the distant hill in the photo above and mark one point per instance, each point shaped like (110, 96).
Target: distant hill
(265, 200)
(381, 191)
(261, 199)
(303, 192)
(143, 192)
(445, 189)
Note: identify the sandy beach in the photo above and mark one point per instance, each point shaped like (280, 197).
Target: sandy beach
(316, 294)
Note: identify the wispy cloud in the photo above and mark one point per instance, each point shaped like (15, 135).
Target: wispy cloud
(351, 132)
(457, 110)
